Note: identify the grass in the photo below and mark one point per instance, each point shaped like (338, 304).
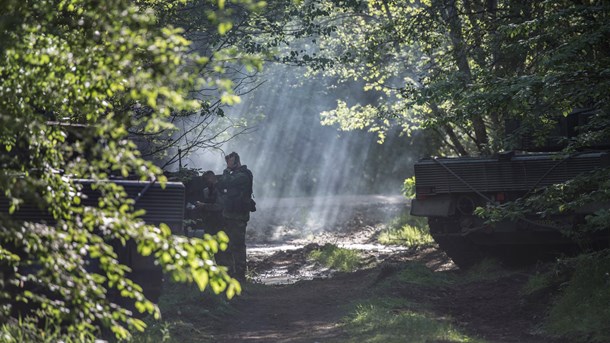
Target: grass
(333, 257)
(582, 309)
(399, 308)
(580, 287)
(390, 315)
(419, 274)
(486, 269)
(400, 318)
(406, 230)
(539, 282)
(381, 320)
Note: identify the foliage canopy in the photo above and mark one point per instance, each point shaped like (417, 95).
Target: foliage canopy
(461, 68)
(77, 76)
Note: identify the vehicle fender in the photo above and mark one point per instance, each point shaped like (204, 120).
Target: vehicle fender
(434, 206)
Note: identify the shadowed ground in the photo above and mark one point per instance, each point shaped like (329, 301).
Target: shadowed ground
(290, 298)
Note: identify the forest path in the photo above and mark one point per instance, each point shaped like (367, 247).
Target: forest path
(291, 299)
(308, 311)
(487, 309)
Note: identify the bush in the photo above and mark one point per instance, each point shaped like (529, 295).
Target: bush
(341, 259)
(187, 316)
(582, 309)
(76, 81)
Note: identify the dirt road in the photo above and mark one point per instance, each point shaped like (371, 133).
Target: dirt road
(292, 299)
(487, 309)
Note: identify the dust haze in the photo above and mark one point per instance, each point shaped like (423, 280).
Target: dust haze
(293, 156)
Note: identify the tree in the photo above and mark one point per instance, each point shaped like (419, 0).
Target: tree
(460, 68)
(215, 36)
(109, 68)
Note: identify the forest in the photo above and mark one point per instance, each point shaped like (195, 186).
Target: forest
(110, 109)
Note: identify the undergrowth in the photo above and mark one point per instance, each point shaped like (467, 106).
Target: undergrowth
(186, 315)
(27, 330)
(582, 305)
(406, 230)
(333, 257)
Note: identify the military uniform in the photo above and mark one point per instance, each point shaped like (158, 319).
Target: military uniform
(235, 188)
(203, 209)
(212, 210)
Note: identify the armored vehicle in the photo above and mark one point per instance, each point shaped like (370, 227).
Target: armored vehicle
(162, 205)
(448, 190)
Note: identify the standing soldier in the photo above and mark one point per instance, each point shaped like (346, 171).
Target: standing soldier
(235, 188)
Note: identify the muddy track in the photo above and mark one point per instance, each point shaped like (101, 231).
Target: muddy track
(311, 302)
(307, 311)
(492, 310)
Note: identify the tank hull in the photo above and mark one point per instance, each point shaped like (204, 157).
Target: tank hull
(161, 205)
(449, 190)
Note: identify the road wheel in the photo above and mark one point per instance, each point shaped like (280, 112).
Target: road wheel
(447, 233)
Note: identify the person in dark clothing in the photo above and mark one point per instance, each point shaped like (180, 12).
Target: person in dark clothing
(210, 209)
(235, 188)
(210, 206)
(194, 195)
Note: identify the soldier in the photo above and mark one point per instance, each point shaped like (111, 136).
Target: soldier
(211, 214)
(210, 205)
(235, 188)
(193, 196)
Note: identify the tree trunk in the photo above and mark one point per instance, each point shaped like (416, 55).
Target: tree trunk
(450, 15)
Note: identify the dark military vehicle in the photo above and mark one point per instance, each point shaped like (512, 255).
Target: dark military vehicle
(448, 190)
(162, 205)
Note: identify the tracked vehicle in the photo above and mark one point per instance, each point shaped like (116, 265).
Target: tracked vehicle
(162, 205)
(448, 190)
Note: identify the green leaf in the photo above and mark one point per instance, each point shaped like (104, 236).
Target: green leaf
(201, 278)
(233, 289)
(165, 230)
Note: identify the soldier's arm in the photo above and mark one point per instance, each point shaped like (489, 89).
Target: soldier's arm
(210, 206)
